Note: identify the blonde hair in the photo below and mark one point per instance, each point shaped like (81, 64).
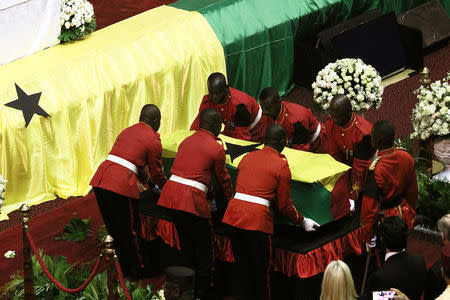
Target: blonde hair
(444, 226)
(337, 283)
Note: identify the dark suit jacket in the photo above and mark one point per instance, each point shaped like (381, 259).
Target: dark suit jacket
(435, 284)
(401, 271)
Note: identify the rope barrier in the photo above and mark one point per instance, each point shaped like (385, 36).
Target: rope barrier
(52, 279)
(122, 282)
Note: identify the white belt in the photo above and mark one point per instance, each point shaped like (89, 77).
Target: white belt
(189, 182)
(258, 117)
(123, 162)
(253, 199)
(316, 134)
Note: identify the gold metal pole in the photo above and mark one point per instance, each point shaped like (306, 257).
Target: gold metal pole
(425, 73)
(27, 262)
(110, 256)
(426, 147)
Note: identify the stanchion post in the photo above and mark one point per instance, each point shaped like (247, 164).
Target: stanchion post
(426, 147)
(110, 256)
(28, 283)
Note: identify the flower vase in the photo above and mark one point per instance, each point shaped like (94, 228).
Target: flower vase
(442, 153)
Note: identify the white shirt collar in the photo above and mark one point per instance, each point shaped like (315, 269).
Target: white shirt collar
(391, 254)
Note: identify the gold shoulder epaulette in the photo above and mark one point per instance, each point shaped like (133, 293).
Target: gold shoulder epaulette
(374, 163)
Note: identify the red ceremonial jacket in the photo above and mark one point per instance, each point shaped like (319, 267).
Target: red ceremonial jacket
(140, 145)
(391, 183)
(342, 143)
(199, 156)
(238, 113)
(292, 113)
(263, 173)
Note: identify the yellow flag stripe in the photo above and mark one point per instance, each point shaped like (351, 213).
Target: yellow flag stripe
(93, 89)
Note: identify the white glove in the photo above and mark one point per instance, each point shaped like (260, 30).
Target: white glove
(372, 243)
(352, 205)
(310, 224)
(156, 189)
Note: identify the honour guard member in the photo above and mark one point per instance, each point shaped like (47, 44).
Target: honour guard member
(117, 184)
(349, 142)
(391, 185)
(240, 112)
(303, 130)
(263, 177)
(199, 157)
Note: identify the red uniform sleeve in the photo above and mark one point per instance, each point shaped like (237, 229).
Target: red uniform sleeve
(242, 133)
(302, 147)
(369, 212)
(222, 175)
(370, 206)
(196, 124)
(285, 205)
(412, 192)
(333, 149)
(359, 171)
(154, 161)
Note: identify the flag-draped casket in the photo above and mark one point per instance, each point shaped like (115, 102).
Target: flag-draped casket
(313, 175)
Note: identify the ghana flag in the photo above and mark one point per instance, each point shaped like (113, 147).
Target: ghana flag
(313, 175)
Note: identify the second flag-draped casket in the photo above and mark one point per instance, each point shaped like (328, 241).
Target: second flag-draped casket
(313, 175)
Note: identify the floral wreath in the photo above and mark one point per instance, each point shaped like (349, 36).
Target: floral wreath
(360, 82)
(431, 115)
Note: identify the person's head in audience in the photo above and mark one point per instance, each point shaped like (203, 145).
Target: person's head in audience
(211, 120)
(179, 283)
(394, 234)
(151, 116)
(270, 102)
(275, 137)
(337, 283)
(445, 263)
(340, 110)
(383, 134)
(218, 89)
(443, 225)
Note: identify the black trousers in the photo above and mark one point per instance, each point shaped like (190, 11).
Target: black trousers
(116, 214)
(196, 249)
(250, 276)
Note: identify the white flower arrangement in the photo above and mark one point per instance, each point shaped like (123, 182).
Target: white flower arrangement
(431, 115)
(77, 19)
(2, 190)
(360, 82)
(10, 254)
(159, 295)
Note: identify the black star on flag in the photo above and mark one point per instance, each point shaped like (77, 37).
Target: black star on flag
(28, 104)
(234, 151)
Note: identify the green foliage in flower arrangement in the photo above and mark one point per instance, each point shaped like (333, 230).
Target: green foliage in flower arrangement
(76, 231)
(44, 289)
(102, 232)
(434, 199)
(74, 33)
(72, 277)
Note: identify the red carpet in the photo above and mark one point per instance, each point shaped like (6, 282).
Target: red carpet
(45, 227)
